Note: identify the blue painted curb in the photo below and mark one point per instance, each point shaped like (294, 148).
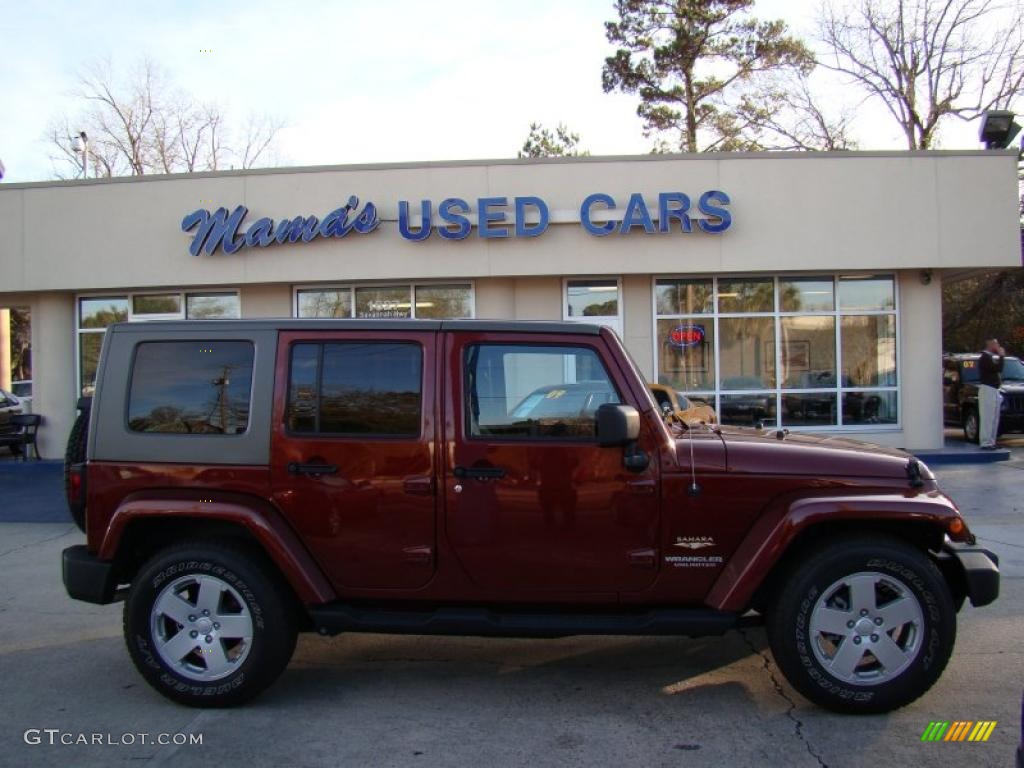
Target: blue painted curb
(33, 492)
(964, 456)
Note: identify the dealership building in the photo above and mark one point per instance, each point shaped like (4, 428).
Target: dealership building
(798, 290)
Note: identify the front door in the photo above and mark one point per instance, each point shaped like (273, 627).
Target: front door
(534, 506)
(352, 461)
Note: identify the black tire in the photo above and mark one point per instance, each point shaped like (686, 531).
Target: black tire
(972, 426)
(75, 454)
(16, 449)
(894, 563)
(246, 573)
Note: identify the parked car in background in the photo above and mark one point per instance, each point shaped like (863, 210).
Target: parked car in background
(682, 408)
(960, 394)
(10, 435)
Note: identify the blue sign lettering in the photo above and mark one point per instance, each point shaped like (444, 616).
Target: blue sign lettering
(597, 229)
(219, 229)
(530, 217)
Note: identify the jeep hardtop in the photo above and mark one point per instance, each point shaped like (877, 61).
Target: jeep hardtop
(242, 481)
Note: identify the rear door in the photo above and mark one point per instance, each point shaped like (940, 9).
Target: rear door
(352, 459)
(534, 506)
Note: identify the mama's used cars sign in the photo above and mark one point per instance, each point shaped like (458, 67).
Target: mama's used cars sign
(455, 219)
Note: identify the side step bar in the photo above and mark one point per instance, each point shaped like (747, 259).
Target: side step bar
(334, 618)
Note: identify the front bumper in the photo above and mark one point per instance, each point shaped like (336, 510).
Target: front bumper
(976, 569)
(88, 578)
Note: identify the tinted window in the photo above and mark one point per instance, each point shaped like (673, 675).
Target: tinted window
(191, 387)
(356, 389)
(524, 391)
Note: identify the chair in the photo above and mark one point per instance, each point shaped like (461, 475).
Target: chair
(28, 423)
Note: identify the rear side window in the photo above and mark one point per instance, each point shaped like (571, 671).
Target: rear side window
(356, 388)
(191, 387)
(535, 391)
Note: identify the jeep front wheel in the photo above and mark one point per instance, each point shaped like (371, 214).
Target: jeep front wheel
(207, 626)
(863, 626)
(972, 427)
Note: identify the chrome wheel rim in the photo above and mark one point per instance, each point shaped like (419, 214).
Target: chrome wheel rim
(866, 628)
(971, 427)
(202, 628)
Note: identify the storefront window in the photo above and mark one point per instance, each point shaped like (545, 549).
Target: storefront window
(746, 295)
(440, 301)
(747, 350)
(212, 305)
(866, 292)
(869, 350)
(89, 356)
(592, 298)
(156, 304)
(95, 313)
(684, 297)
(807, 351)
(101, 312)
(824, 358)
(686, 354)
(429, 301)
(383, 302)
(333, 303)
(806, 294)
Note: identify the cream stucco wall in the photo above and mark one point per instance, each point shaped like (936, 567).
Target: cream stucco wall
(266, 300)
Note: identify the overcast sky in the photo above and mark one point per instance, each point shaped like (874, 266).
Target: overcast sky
(356, 81)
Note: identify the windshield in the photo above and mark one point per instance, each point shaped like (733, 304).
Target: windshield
(1013, 369)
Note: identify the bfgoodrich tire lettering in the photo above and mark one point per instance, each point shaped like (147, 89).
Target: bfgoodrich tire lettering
(172, 615)
(824, 641)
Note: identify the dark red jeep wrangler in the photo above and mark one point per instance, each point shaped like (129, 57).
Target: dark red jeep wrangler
(240, 481)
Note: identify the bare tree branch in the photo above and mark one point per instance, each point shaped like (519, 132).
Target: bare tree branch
(140, 124)
(928, 60)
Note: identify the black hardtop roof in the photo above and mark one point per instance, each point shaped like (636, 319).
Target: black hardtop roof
(337, 324)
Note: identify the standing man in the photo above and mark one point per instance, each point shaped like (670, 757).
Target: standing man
(990, 366)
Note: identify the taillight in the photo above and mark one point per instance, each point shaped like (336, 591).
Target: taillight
(75, 491)
(76, 494)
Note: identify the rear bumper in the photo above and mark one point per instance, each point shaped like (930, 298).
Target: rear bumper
(88, 578)
(980, 570)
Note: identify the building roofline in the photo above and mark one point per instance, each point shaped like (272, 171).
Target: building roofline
(433, 164)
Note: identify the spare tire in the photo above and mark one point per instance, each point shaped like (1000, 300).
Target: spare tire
(75, 454)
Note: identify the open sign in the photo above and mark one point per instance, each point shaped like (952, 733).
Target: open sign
(685, 336)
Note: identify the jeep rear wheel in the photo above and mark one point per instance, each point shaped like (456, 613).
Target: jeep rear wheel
(864, 626)
(207, 626)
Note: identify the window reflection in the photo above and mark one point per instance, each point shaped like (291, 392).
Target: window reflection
(683, 296)
(755, 294)
(191, 387)
(747, 348)
(808, 351)
(592, 298)
(869, 350)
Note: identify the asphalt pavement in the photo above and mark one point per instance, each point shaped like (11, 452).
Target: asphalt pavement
(368, 700)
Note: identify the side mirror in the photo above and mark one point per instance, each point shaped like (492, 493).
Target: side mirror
(617, 425)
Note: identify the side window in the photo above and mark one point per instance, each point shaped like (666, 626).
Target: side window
(191, 387)
(355, 388)
(535, 391)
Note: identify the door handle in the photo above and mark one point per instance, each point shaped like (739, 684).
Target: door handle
(313, 470)
(479, 473)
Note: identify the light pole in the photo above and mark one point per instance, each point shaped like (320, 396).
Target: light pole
(80, 145)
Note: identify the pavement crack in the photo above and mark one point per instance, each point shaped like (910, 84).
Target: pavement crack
(1004, 543)
(798, 724)
(65, 532)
